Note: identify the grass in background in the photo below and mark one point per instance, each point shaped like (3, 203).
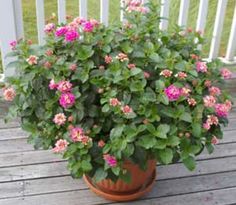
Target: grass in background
(72, 8)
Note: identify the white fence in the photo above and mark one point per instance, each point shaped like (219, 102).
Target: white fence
(11, 23)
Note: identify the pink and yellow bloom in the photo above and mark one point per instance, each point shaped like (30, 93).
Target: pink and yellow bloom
(32, 60)
(59, 119)
(108, 59)
(122, 57)
(214, 91)
(9, 94)
(114, 102)
(64, 86)
(181, 75)
(209, 101)
(60, 146)
(52, 85)
(126, 109)
(191, 101)
(166, 73)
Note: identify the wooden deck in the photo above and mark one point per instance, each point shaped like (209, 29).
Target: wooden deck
(29, 177)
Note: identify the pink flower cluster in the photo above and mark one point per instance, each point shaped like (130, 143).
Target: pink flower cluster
(126, 109)
(114, 102)
(181, 75)
(52, 85)
(9, 94)
(209, 101)
(110, 160)
(61, 31)
(13, 45)
(172, 92)
(108, 59)
(214, 140)
(60, 146)
(77, 135)
(201, 67)
(71, 35)
(59, 119)
(222, 110)
(101, 143)
(185, 91)
(226, 73)
(191, 101)
(136, 5)
(32, 60)
(64, 86)
(211, 120)
(67, 100)
(49, 28)
(122, 57)
(166, 73)
(88, 27)
(214, 91)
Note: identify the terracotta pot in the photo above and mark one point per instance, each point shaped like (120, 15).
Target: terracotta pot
(141, 183)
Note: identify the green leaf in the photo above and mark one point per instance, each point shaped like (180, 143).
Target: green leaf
(86, 166)
(162, 131)
(135, 71)
(137, 85)
(117, 131)
(180, 66)
(166, 155)
(147, 141)
(160, 85)
(190, 163)
(163, 98)
(116, 170)
(99, 175)
(105, 108)
(197, 129)
(125, 176)
(126, 47)
(84, 52)
(173, 141)
(186, 117)
(155, 58)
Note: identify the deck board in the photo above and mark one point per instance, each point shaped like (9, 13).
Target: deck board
(29, 177)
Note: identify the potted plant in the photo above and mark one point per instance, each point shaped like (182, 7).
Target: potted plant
(115, 100)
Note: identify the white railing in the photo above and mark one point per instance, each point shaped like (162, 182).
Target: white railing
(11, 21)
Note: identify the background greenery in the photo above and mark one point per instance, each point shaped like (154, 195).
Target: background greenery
(72, 8)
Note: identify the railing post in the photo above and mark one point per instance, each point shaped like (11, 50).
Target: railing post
(12, 29)
(218, 26)
(231, 48)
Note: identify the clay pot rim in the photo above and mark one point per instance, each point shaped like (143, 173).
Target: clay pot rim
(118, 196)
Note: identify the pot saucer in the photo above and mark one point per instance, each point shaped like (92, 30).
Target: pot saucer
(121, 196)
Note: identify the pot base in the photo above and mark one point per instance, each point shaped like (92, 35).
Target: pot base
(121, 196)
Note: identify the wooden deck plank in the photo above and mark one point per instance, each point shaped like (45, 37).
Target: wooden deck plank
(30, 157)
(46, 156)
(13, 133)
(16, 145)
(164, 172)
(162, 188)
(214, 197)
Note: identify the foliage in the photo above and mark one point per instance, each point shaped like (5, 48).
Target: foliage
(137, 93)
